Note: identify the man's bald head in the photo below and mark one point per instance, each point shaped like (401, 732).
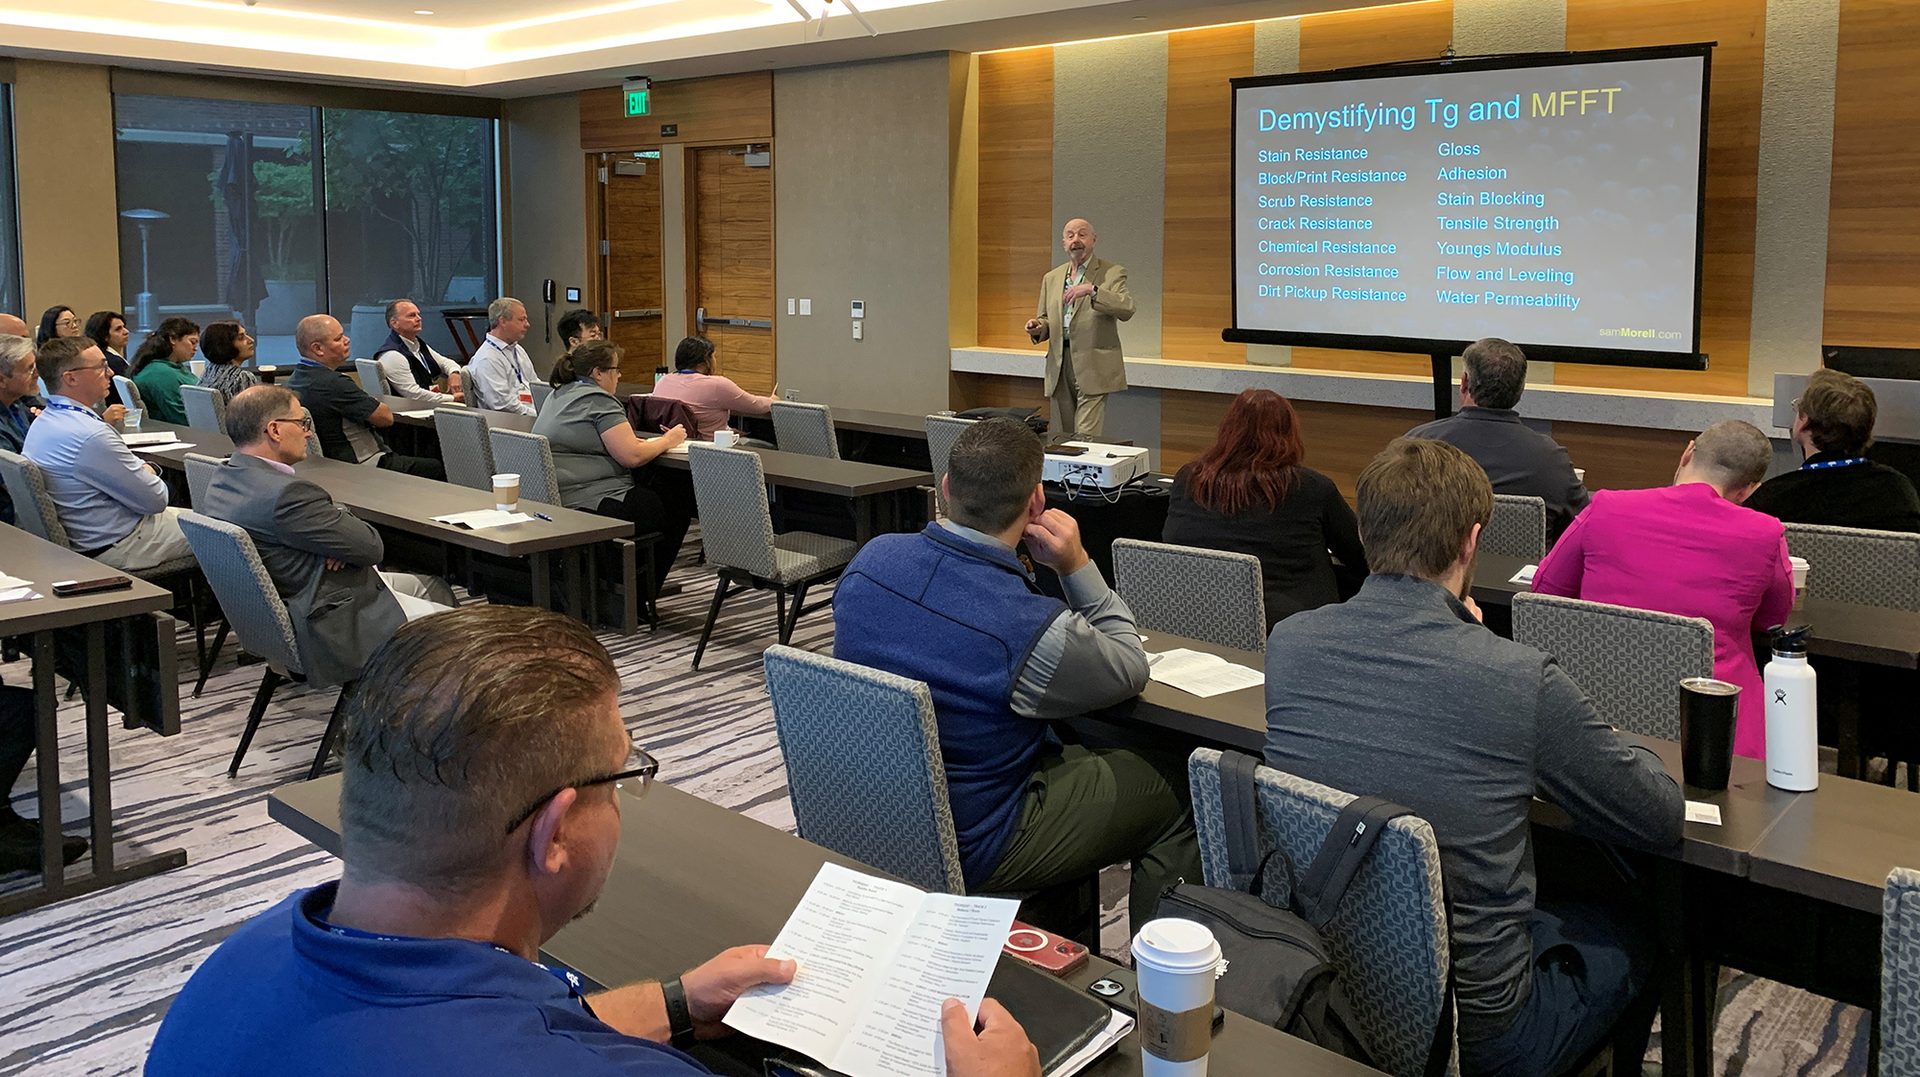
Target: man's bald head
(12, 326)
(319, 337)
(1078, 237)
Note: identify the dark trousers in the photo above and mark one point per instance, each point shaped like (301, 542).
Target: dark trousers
(660, 504)
(422, 466)
(17, 737)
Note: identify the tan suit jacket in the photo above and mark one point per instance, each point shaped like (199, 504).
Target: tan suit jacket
(1099, 366)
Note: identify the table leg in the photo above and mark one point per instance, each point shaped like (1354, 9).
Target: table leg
(540, 564)
(99, 766)
(1679, 1004)
(46, 706)
(630, 585)
(864, 511)
(1844, 700)
(576, 597)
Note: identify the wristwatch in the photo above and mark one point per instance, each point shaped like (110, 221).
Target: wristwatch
(679, 1017)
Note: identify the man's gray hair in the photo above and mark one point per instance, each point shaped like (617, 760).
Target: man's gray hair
(1496, 372)
(501, 309)
(252, 408)
(1731, 454)
(393, 308)
(12, 350)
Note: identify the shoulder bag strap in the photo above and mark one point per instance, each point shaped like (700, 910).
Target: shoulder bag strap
(1340, 856)
(1239, 804)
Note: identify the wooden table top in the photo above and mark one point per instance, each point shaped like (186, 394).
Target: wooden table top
(842, 478)
(1838, 842)
(43, 564)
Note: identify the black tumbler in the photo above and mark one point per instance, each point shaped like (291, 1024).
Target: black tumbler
(1707, 711)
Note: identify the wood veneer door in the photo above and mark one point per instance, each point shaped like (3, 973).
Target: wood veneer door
(730, 243)
(631, 224)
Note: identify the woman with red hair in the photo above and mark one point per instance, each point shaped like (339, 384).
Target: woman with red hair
(1249, 493)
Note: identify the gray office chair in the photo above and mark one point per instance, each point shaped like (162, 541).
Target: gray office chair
(529, 456)
(541, 391)
(372, 381)
(200, 469)
(1859, 567)
(805, 428)
(1629, 662)
(253, 607)
(1387, 937)
(864, 769)
(1900, 975)
(942, 432)
(1208, 595)
(130, 393)
(1518, 528)
(465, 448)
(206, 408)
(736, 530)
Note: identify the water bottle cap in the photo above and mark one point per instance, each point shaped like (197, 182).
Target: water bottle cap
(1790, 641)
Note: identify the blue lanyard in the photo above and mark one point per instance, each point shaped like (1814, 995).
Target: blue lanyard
(513, 361)
(568, 977)
(58, 406)
(1823, 465)
(315, 363)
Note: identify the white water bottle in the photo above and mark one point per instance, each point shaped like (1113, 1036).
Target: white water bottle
(1793, 727)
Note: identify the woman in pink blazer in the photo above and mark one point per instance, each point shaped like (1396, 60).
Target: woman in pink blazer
(1690, 549)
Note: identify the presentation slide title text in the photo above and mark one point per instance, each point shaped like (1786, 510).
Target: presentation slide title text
(1440, 112)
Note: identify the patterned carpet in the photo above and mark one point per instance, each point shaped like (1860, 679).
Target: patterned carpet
(87, 981)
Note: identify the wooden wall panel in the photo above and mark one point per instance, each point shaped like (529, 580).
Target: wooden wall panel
(1622, 457)
(1372, 36)
(1197, 260)
(995, 391)
(725, 108)
(1733, 171)
(1873, 230)
(1017, 233)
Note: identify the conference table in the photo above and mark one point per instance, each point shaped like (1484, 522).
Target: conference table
(41, 564)
(893, 438)
(408, 503)
(1788, 886)
(670, 903)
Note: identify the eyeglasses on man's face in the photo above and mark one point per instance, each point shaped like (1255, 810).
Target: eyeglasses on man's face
(640, 767)
(304, 422)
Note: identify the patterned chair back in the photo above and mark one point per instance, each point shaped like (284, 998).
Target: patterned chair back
(206, 408)
(465, 447)
(1387, 938)
(200, 469)
(530, 457)
(805, 428)
(1900, 975)
(372, 381)
(247, 596)
(942, 432)
(33, 506)
(864, 767)
(736, 527)
(1629, 662)
(541, 391)
(129, 393)
(1518, 528)
(1857, 566)
(1201, 594)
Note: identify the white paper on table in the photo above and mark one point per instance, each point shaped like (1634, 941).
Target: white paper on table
(1118, 1025)
(150, 438)
(1201, 674)
(422, 413)
(18, 594)
(876, 960)
(1525, 575)
(9, 583)
(475, 519)
(168, 445)
(1699, 811)
(679, 450)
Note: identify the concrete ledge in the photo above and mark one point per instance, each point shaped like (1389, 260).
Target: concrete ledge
(1546, 403)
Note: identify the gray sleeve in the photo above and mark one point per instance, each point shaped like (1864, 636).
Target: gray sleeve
(1612, 790)
(1088, 658)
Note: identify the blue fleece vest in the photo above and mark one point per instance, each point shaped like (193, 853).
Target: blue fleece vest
(962, 617)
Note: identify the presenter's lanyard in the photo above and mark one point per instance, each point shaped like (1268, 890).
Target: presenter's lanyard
(1851, 461)
(513, 362)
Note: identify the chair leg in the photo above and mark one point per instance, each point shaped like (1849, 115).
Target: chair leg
(206, 665)
(327, 738)
(199, 622)
(268, 683)
(788, 622)
(780, 613)
(713, 614)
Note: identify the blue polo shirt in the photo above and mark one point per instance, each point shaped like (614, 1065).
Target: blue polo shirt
(287, 994)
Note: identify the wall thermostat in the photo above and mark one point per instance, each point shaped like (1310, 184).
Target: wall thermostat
(859, 308)
(573, 295)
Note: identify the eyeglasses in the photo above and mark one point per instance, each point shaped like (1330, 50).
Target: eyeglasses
(305, 422)
(640, 765)
(68, 322)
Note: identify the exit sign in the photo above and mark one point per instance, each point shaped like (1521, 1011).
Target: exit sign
(639, 96)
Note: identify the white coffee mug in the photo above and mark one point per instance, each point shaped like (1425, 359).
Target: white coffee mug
(506, 491)
(1176, 962)
(132, 422)
(198, 366)
(726, 437)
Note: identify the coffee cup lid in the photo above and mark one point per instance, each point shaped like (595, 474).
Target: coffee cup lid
(1797, 562)
(1708, 686)
(1177, 945)
(507, 476)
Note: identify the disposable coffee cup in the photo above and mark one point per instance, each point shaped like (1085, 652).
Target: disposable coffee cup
(1708, 709)
(1176, 962)
(726, 437)
(198, 366)
(1580, 474)
(131, 423)
(1799, 578)
(506, 492)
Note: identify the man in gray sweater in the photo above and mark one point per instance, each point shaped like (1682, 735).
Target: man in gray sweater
(1402, 693)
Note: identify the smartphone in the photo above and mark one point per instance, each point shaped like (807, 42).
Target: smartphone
(68, 588)
(1044, 950)
(1063, 449)
(1120, 989)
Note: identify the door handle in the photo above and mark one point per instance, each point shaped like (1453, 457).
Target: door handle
(702, 319)
(638, 312)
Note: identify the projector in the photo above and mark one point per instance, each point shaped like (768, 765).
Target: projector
(1104, 466)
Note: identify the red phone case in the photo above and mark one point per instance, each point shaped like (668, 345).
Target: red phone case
(1044, 950)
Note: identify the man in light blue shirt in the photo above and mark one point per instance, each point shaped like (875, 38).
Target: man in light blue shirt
(500, 374)
(113, 507)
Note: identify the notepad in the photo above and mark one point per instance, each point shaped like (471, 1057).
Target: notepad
(1525, 575)
(152, 440)
(1699, 811)
(1201, 674)
(477, 519)
(24, 593)
(423, 413)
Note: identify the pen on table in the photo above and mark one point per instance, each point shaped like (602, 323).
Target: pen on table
(544, 516)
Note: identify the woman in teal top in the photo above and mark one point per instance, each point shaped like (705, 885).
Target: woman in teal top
(160, 368)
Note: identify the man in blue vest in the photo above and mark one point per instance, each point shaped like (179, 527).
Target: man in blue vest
(956, 607)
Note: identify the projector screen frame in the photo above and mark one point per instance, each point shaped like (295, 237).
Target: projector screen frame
(1439, 347)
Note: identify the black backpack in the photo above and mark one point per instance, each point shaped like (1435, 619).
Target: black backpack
(1278, 971)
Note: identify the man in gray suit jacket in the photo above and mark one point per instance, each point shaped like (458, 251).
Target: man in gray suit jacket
(321, 558)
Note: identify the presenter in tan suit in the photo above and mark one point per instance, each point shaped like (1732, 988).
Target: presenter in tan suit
(1086, 298)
